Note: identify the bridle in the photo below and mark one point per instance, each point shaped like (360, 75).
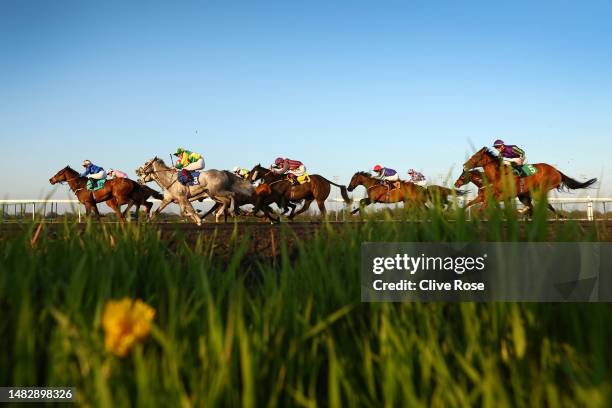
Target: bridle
(478, 158)
(69, 180)
(154, 172)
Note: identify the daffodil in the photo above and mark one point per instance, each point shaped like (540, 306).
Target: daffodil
(126, 322)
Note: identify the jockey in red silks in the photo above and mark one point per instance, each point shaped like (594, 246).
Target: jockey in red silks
(511, 154)
(385, 173)
(292, 168)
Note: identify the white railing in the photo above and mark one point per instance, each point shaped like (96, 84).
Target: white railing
(41, 204)
(23, 206)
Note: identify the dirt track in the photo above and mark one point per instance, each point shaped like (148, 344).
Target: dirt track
(265, 238)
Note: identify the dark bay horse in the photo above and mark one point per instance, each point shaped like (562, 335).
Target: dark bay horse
(407, 193)
(115, 192)
(285, 194)
(441, 196)
(501, 184)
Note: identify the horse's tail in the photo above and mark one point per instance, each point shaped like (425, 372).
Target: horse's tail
(152, 193)
(572, 184)
(343, 190)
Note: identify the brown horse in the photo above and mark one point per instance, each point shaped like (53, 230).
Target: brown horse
(441, 196)
(141, 195)
(503, 184)
(476, 177)
(284, 193)
(400, 191)
(115, 192)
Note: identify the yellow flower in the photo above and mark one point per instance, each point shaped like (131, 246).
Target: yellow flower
(125, 322)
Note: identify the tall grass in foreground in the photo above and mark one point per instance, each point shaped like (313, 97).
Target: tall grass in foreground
(289, 331)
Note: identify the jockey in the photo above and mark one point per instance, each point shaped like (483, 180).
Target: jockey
(385, 174)
(240, 172)
(92, 171)
(112, 173)
(292, 168)
(511, 154)
(416, 177)
(187, 162)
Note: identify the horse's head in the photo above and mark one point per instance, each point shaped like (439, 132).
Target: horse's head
(143, 177)
(257, 173)
(358, 180)
(463, 179)
(65, 174)
(481, 158)
(473, 176)
(148, 167)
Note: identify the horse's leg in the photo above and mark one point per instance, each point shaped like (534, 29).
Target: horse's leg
(558, 215)
(221, 211)
(212, 209)
(322, 209)
(95, 210)
(305, 207)
(112, 203)
(159, 209)
(364, 202)
(189, 210)
(291, 206)
(268, 213)
(478, 199)
(287, 203)
(147, 205)
(90, 207)
(526, 200)
(130, 204)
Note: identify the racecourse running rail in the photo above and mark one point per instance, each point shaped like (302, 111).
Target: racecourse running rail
(39, 206)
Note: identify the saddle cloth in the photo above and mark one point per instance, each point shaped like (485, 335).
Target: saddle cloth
(95, 185)
(191, 179)
(529, 170)
(304, 178)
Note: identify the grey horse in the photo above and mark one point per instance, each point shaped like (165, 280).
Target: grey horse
(167, 197)
(216, 184)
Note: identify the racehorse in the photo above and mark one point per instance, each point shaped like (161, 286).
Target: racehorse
(439, 195)
(476, 177)
(285, 194)
(167, 198)
(115, 192)
(221, 186)
(406, 192)
(502, 184)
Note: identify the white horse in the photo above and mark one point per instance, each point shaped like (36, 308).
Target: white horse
(218, 185)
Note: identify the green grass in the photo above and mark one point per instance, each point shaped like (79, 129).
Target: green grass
(290, 331)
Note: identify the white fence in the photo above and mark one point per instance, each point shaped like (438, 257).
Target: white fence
(40, 207)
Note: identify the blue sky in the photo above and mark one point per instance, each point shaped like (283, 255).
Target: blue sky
(339, 85)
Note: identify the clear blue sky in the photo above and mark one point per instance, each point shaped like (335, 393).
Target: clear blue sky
(339, 85)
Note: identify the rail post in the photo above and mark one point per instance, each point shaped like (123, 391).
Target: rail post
(589, 209)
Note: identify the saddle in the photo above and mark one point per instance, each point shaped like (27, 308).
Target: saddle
(188, 178)
(391, 185)
(524, 171)
(304, 178)
(95, 185)
(297, 180)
